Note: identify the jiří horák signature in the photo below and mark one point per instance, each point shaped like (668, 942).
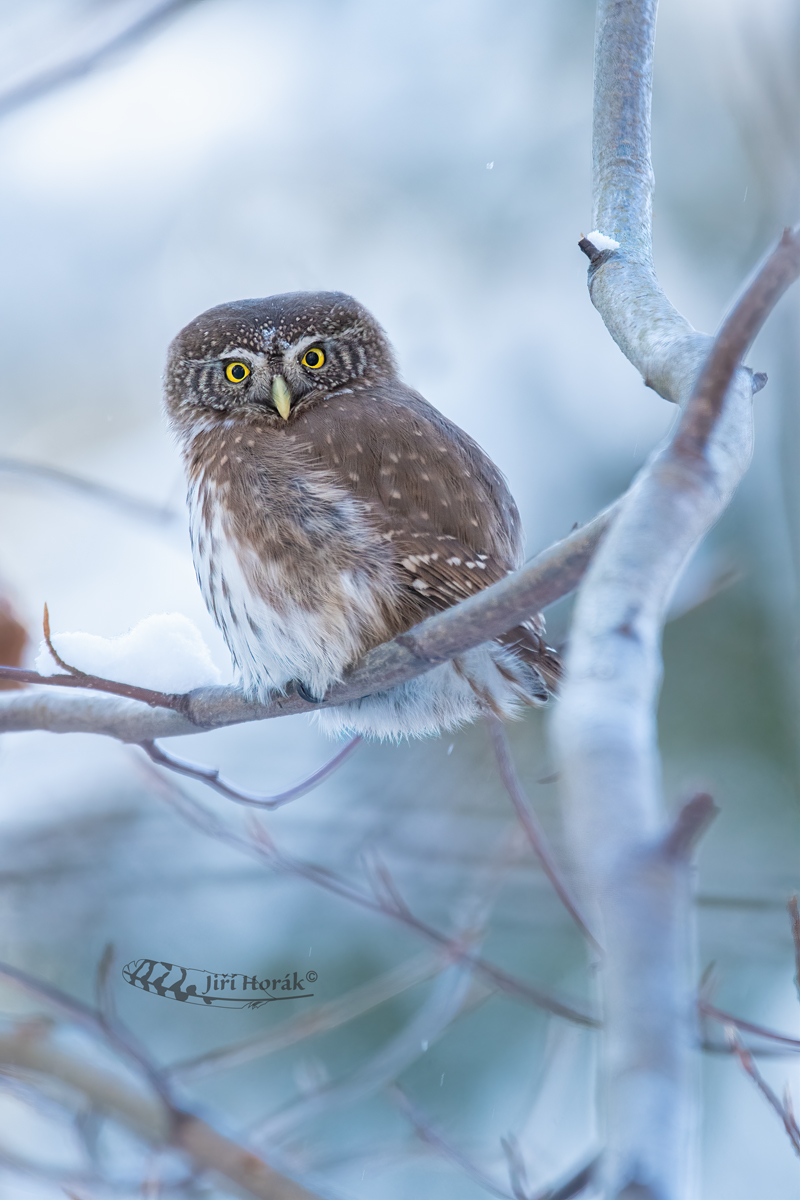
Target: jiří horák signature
(190, 985)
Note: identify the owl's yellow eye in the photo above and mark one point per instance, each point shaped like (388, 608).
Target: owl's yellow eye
(313, 358)
(236, 372)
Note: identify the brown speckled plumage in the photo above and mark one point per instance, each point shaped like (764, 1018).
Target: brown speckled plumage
(322, 533)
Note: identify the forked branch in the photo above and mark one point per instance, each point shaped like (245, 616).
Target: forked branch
(635, 868)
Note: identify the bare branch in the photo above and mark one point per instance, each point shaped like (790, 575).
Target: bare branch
(131, 506)
(95, 1023)
(435, 1015)
(103, 991)
(424, 1130)
(307, 1024)
(264, 848)
(211, 778)
(95, 683)
(794, 917)
(605, 724)
(43, 84)
(32, 1047)
(728, 1019)
(573, 1186)
(733, 341)
(784, 1111)
(689, 826)
(532, 826)
(383, 885)
(577, 1182)
(49, 643)
(708, 1046)
(517, 1171)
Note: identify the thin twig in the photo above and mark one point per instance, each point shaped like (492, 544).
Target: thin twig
(103, 990)
(131, 506)
(325, 1017)
(263, 847)
(151, 1117)
(445, 1002)
(726, 1018)
(210, 776)
(454, 994)
(79, 678)
(425, 1130)
(65, 666)
(573, 1186)
(95, 683)
(691, 822)
(43, 84)
(96, 1023)
(533, 828)
(794, 917)
(784, 1112)
(736, 335)
(383, 885)
(711, 1047)
(517, 1171)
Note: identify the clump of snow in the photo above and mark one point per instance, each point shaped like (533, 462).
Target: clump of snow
(165, 652)
(600, 241)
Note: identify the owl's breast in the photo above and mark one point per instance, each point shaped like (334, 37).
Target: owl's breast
(292, 569)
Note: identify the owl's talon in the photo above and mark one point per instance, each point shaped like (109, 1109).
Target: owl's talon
(304, 693)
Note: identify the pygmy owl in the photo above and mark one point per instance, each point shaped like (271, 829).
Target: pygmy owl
(332, 508)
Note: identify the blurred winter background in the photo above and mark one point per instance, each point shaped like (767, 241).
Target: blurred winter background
(433, 159)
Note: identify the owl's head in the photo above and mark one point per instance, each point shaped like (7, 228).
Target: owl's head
(273, 355)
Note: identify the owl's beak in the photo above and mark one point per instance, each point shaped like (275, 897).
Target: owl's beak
(281, 396)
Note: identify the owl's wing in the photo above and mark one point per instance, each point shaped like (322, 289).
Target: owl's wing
(434, 495)
(440, 570)
(391, 449)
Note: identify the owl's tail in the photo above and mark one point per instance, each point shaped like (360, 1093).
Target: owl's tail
(530, 668)
(527, 642)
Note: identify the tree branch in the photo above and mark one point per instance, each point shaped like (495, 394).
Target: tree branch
(42, 84)
(784, 1111)
(264, 848)
(605, 724)
(33, 1046)
(771, 1035)
(533, 829)
(130, 506)
(794, 918)
(211, 778)
(434, 1016)
(424, 1130)
(326, 1016)
(552, 574)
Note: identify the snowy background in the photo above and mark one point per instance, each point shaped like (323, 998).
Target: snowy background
(433, 159)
